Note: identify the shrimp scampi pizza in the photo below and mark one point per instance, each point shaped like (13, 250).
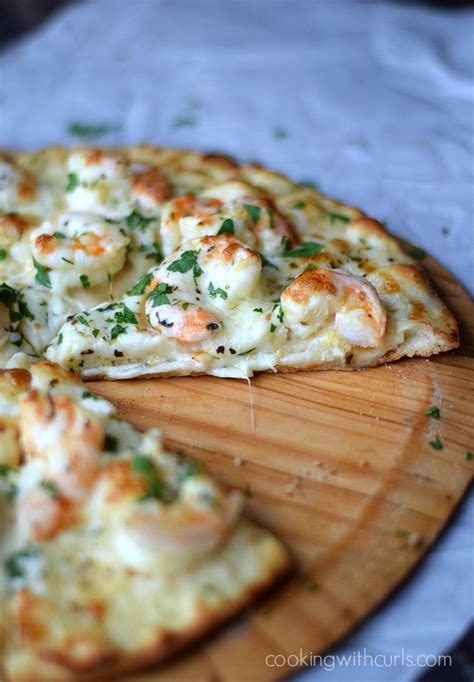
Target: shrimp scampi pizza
(116, 552)
(147, 261)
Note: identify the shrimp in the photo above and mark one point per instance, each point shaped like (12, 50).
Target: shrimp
(15, 184)
(112, 184)
(190, 325)
(80, 249)
(191, 217)
(350, 305)
(268, 227)
(193, 521)
(64, 437)
(62, 443)
(149, 187)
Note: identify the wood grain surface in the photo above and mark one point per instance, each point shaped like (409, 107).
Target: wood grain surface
(339, 465)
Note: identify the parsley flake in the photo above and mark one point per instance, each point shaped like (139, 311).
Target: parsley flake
(116, 330)
(139, 288)
(51, 488)
(72, 182)
(437, 443)
(85, 281)
(253, 211)
(417, 253)
(3, 254)
(159, 295)
(14, 564)
(185, 262)
(216, 291)
(433, 411)
(227, 227)
(338, 216)
(144, 467)
(42, 275)
(467, 455)
(137, 221)
(306, 249)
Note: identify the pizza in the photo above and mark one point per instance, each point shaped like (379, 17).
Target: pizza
(147, 261)
(117, 552)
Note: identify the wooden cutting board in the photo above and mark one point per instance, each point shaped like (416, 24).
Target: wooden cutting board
(339, 465)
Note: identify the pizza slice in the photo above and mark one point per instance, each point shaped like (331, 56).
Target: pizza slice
(118, 552)
(259, 273)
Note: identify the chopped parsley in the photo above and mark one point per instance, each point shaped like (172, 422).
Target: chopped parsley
(116, 330)
(154, 251)
(14, 564)
(402, 533)
(280, 133)
(185, 306)
(4, 469)
(72, 182)
(137, 221)
(258, 310)
(253, 211)
(82, 320)
(216, 291)
(416, 252)
(246, 352)
(227, 227)
(159, 295)
(59, 235)
(185, 262)
(306, 249)
(88, 394)
(184, 121)
(90, 130)
(3, 254)
(13, 300)
(299, 205)
(338, 216)
(125, 315)
(272, 328)
(51, 488)
(85, 281)
(271, 218)
(42, 275)
(139, 288)
(144, 467)
(60, 338)
(436, 444)
(433, 411)
(467, 455)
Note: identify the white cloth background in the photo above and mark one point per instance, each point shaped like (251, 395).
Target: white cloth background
(376, 103)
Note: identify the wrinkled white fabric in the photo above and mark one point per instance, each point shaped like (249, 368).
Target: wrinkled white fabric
(372, 101)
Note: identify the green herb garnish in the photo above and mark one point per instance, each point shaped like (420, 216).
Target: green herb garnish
(298, 205)
(144, 466)
(416, 252)
(185, 262)
(87, 130)
(111, 443)
(253, 211)
(137, 221)
(436, 444)
(338, 216)
(306, 249)
(116, 330)
(3, 254)
(467, 455)
(433, 411)
(72, 182)
(51, 488)
(85, 281)
(216, 291)
(42, 275)
(139, 288)
(159, 295)
(227, 227)
(14, 564)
